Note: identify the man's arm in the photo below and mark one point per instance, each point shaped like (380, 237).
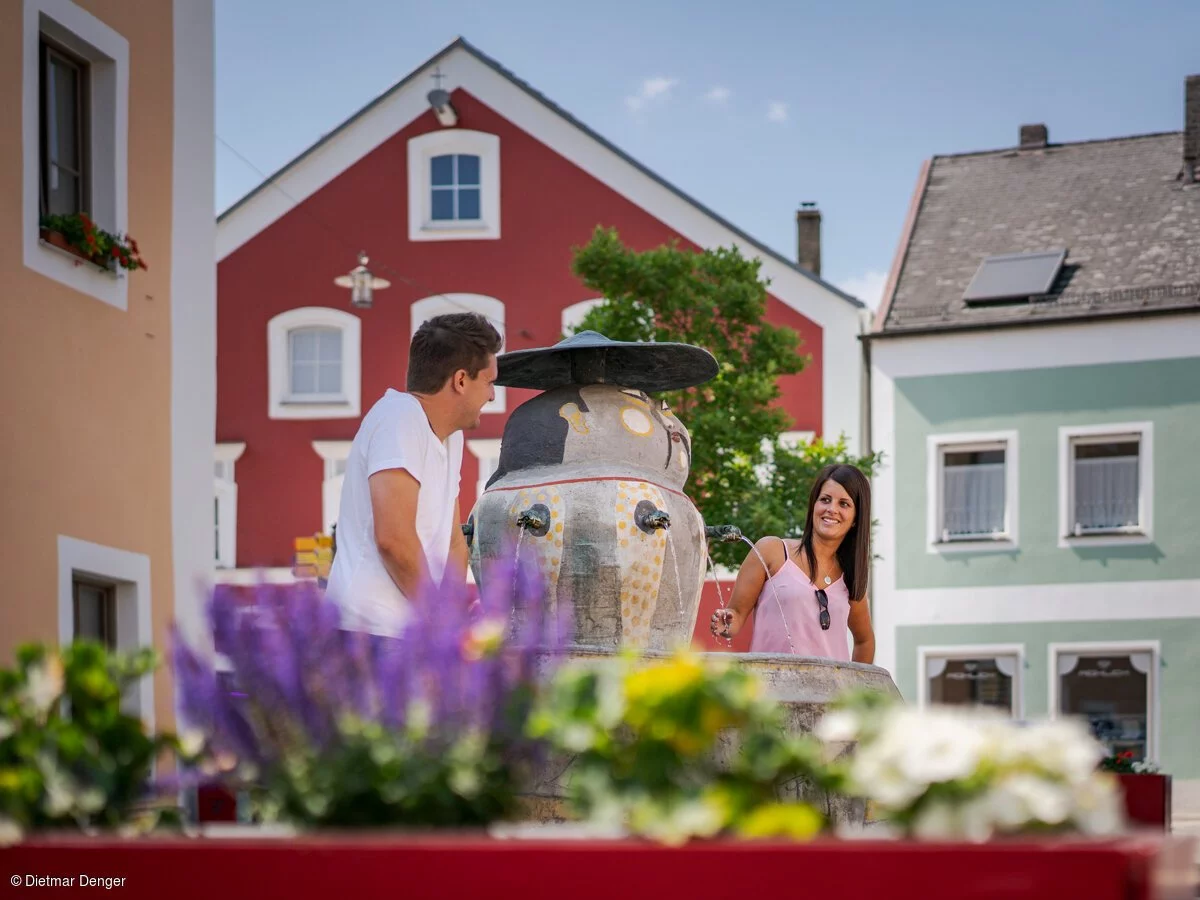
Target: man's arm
(394, 494)
(458, 549)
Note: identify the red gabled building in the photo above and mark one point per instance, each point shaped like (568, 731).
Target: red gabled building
(473, 205)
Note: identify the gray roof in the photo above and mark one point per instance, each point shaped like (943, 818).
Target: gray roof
(1130, 227)
(463, 44)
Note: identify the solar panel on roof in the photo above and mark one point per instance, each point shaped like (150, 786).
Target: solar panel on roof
(1015, 276)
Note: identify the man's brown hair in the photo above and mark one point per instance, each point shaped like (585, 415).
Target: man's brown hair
(445, 344)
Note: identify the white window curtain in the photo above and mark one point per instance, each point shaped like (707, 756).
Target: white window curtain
(1106, 493)
(316, 361)
(1006, 666)
(973, 500)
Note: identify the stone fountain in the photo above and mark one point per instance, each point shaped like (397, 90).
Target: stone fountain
(590, 484)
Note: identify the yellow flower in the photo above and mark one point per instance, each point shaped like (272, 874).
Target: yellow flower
(798, 821)
(655, 682)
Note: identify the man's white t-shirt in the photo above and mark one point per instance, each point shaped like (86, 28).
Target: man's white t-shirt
(394, 434)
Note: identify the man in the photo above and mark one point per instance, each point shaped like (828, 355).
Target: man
(398, 524)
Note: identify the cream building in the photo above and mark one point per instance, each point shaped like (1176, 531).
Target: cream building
(106, 491)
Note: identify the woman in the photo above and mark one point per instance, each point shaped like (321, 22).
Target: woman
(818, 584)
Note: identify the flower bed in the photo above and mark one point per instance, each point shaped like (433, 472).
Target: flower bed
(1130, 868)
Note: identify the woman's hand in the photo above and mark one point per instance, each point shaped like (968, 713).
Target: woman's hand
(725, 623)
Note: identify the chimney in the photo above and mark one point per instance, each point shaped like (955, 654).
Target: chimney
(808, 237)
(1191, 129)
(1034, 137)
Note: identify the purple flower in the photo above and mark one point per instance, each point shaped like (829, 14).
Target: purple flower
(298, 687)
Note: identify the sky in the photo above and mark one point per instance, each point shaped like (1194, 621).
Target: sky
(750, 107)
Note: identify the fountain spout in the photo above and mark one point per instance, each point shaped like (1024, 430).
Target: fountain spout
(724, 534)
(649, 517)
(535, 520)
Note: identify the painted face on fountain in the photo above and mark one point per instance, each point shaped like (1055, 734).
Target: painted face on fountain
(599, 426)
(833, 513)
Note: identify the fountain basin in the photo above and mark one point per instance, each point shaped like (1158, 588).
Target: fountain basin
(804, 686)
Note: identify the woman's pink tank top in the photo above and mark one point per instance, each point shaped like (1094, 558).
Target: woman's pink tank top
(797, 612)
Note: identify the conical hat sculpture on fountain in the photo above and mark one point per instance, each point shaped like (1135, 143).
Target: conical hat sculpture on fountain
(590, 483)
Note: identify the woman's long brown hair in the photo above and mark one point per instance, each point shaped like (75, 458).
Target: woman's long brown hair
(854, 552)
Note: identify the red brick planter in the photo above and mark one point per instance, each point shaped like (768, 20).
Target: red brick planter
(1147, 799)
(1136, 867)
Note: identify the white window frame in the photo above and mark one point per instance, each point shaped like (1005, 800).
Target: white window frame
(1068, 435)
(487, 452)
(926, 653)
(489, 307)
(225, 490)
(936, 447)
(129, 573)
(106, 53)
(422, 149)
(332, 453)
(282, 406)
(574, 314)
(1092, 648)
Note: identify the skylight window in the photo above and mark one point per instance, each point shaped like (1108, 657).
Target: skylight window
(1015, 276)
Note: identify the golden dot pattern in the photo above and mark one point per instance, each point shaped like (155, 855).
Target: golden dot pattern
(640, 557)
(547, 549)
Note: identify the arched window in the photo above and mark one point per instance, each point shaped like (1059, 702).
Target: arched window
(225, 504)
(314, 364)
(441, 304)
(335, 454)
(573, 314)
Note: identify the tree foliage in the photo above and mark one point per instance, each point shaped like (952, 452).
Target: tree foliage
(741, 474)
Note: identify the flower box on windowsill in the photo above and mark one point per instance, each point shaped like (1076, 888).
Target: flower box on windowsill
(433, 864)
(58, 242)
(1147, 798)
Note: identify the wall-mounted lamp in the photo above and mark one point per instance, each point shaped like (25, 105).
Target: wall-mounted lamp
(362, 283)
(439, 99)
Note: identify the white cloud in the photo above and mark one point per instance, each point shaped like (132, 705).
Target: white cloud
(718, 94)
(867, 287)
(777, 112)
(652, 90)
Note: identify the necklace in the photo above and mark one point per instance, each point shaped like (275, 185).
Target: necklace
(828, 580)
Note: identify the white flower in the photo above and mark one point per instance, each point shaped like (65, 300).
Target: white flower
(6, 729)
(937, 822)
(1063, 747)
(61, 797)
(1021, 799)
(10, 832)
(838, 727)
(878, 778)
(91, 800)
(44, 683)
(931, 746)
(191, 741)
(944, 749)
(1098, 807)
